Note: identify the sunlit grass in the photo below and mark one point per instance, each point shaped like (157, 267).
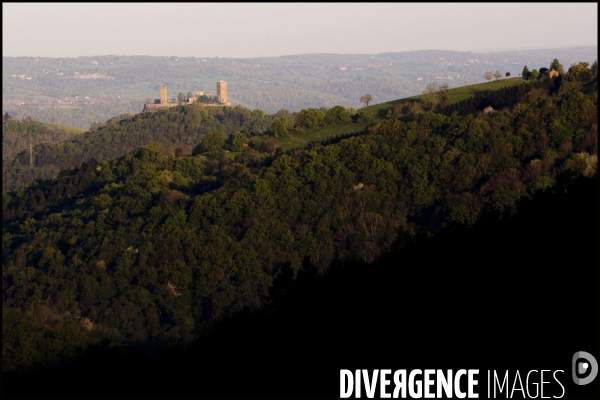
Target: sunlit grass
(379, 112)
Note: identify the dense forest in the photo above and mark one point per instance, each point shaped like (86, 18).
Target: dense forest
(80, 91)
(413, 305)
(154, 247)
(179, 129)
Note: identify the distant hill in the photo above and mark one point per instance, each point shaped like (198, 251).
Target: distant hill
(81, 91)
(18, 135)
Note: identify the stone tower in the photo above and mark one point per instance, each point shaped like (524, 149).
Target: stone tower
(222, 92)
(163, 94)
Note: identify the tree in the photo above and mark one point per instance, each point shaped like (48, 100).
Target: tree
(534, 74)
(280, 127)
(366, 99)
(268, 146)
(7, 117)
(310, 118)
(415, 109)
(594, 68)
(430, 95)
(336, 115)
(497, 75)
(260, 122)
(397, 112)
(525, 74)
(180, 97)
(444, 96)
(557, 66)
(364, 116)
(283, 113)
(238, 141)
(579, 72)
(488, 75)
(211, 142)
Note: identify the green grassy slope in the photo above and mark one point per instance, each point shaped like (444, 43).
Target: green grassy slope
(379, 112)
(73, 130)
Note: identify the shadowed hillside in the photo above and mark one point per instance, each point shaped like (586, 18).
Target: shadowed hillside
(477, 297)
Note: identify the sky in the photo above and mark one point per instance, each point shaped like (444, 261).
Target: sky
(242, 30)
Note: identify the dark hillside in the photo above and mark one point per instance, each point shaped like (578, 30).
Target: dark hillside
(475, 297)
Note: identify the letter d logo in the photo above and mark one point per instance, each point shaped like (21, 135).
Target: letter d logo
(582, 367)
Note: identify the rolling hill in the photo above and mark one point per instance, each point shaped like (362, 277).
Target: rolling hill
(184, 127)
(151, 248)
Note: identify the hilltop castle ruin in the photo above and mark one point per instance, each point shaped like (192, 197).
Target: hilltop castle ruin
(199, 97)
(222, 92)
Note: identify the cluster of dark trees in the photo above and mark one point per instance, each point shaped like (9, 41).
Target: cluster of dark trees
(155, 248)
(534, 74)
(497, 99)
(414, 305)
(311, 118)
(176, 131)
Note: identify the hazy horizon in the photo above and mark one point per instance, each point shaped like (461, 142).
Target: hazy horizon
(270, 30)
(482, 51)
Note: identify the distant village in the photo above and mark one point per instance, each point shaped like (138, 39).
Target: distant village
(199, 97)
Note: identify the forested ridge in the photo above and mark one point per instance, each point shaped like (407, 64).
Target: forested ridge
(18, 135)
(179, 131)
(154, 247)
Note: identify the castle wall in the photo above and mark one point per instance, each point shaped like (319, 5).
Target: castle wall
(154, 107)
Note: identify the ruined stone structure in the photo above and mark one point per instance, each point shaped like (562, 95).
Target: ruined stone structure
(222, 92)
(163, 95)
(163, 102)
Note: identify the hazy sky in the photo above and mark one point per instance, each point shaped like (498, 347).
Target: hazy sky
(242, 30)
